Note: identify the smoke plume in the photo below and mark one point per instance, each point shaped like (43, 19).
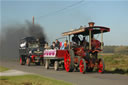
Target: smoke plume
(11, 35)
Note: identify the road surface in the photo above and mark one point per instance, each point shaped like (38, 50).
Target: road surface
(75, 78)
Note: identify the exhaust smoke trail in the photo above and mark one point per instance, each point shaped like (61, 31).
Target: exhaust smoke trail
(11, 35)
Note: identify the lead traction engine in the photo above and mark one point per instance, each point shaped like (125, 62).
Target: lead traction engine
(85, 58)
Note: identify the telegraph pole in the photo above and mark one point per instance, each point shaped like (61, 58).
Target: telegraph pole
(33, 20)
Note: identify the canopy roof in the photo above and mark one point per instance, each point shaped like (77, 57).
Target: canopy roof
(85, 30)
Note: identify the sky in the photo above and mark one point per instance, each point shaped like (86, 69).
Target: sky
(58, 16)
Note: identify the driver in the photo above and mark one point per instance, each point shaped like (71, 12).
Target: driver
(76, 39)
(95, 44)
(84, 43)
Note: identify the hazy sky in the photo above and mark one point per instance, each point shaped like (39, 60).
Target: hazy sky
(57, 16)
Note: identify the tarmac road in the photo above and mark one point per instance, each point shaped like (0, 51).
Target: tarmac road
(74, 77)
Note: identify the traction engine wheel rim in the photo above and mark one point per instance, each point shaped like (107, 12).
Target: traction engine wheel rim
(20, 60)
(82, 66)
(101, 66)
(69, 61)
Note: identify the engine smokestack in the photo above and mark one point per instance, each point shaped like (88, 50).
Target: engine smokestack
(91, 24)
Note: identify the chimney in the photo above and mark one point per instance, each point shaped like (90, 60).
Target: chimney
(91, 24)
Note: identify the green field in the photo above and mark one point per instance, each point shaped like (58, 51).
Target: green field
(115, 63)
(3, 69)
(30, 80)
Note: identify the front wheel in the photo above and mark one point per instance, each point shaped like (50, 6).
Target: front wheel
(22, 62)
(69, 61)
(56, 65)
(82, 66)
(47, 64)
(28, 61)
(101, 66)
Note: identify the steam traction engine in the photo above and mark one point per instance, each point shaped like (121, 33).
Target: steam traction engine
(83, 54)
(31, 51)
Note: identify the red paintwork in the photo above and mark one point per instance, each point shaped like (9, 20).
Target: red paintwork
(20, 60)
(102, 29)
(75, 59)
(81, 66)
(67, 61)
(33, 56)
(60, 53)
(90, 29)
(80, 51)
(96, 44)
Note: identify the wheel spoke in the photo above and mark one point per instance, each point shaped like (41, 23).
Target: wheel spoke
(67, 62)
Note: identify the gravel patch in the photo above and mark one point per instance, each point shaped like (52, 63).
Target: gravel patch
(13, 73)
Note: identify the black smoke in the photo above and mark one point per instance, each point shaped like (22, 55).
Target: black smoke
(11, 35)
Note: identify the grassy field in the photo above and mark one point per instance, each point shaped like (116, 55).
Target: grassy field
(3, 69)
(30, 80)
(115, 63)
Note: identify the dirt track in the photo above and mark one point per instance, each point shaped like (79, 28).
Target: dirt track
(73, 77)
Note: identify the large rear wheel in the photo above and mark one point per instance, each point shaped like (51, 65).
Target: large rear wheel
(101, 66)
(69, 61)
(82, 66)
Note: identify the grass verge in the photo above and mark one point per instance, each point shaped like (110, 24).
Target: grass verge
(115, 63)
(30, 80)
(3, 69)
